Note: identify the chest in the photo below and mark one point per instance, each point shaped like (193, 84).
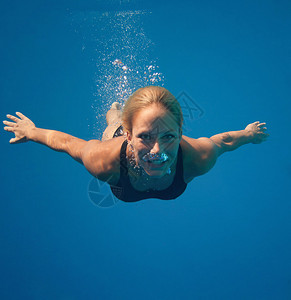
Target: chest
(143, 183)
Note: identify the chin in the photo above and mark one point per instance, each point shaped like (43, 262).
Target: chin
(157, 176)
(157, 172)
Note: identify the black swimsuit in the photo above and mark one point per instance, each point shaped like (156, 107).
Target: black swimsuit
(125, 191)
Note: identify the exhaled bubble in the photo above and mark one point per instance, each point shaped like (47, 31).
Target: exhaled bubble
(123, 56)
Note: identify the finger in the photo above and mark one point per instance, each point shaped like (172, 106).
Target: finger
(22, 116)
(12, 118)
(263, 129)
(13, 141)
(8, 128)
(262, 124)
(256, 122)
(9, 123)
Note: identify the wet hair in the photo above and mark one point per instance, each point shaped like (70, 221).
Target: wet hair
(147, 96)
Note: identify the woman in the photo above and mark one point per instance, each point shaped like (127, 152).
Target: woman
(143, 153)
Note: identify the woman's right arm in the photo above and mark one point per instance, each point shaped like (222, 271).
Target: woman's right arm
(101, 159)
(25, 130)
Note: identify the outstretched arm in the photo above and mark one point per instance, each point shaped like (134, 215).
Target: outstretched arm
(228, 141)
(25, 130)
(210, 149)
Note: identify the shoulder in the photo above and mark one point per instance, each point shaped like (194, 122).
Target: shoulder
(199, 155)
(199, 150)
(102, 159)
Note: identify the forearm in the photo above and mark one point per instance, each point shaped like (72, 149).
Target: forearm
(235, 139)
(56, 140)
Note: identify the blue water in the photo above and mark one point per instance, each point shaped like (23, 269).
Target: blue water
(229, 235)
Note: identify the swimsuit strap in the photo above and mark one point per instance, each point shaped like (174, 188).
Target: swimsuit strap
(123, 160)
(179, 176)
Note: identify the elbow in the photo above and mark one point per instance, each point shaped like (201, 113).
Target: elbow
(226, 137)
(227, 142)
(56, 141)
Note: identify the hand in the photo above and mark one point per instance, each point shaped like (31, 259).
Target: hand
(258, 131)
(21, 128)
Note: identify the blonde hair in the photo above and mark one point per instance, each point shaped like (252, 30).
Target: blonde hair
(147, 96)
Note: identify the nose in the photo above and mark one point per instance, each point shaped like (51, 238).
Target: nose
(156, 147)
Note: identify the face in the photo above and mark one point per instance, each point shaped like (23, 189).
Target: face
(155, 138)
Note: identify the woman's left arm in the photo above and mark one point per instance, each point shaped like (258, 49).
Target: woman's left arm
(228, 141)
(210, 149)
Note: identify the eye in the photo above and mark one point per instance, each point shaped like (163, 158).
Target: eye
(145, 136)
(169, 137)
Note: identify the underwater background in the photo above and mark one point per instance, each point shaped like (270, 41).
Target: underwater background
(63, 63)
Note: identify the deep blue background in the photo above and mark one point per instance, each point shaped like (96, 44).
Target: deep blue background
(227, 237)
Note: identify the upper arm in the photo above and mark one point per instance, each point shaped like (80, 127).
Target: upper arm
(101, 159)
(82, 150)
(75, 148)
(210, 151)
(214, 146)
(205, 152)
(93, 156)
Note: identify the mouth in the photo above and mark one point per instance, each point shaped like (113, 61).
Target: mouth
(155, 159)
(156, 164)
